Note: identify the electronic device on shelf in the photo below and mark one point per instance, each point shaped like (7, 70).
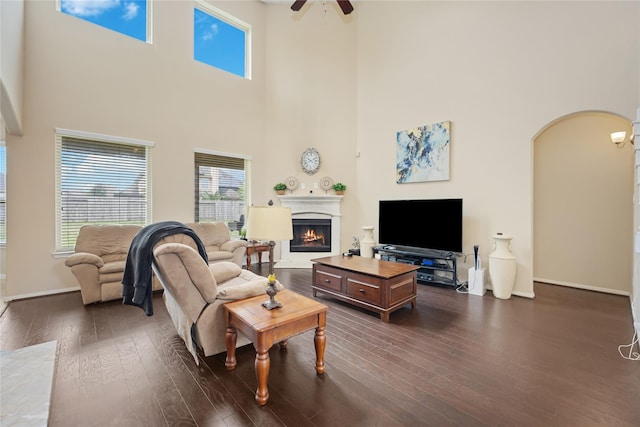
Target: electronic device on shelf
(434, 224)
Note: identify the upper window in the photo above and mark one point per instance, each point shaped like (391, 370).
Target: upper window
(100, 180)
(220, 40)
(221, 190)
(129, 17)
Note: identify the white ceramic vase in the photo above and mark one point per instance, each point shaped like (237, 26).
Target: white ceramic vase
(367, 242)
(502, 267)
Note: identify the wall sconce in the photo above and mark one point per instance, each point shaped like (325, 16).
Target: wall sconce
(619, 138)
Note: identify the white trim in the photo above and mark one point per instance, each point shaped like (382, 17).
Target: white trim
(42, 294)
(102, 137)
(222, 153)
(581, 286)
(234, 22)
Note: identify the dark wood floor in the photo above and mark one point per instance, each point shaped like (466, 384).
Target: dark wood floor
(456, 359)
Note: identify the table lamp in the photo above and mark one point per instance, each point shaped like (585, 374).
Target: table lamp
(270, 223)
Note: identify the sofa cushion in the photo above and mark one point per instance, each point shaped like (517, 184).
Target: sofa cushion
(211, 233)
(217, 256)
(103, 240)
(112, 267)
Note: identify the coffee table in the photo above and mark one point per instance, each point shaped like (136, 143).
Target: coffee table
(267, 327)
(376, 285)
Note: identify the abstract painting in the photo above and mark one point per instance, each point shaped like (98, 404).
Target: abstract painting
(423, 153)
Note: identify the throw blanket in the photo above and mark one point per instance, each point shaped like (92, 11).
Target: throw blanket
(137, 284)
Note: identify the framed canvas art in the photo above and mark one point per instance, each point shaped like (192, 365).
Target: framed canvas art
(423, 153)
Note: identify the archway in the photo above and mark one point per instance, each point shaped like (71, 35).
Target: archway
(583, 203)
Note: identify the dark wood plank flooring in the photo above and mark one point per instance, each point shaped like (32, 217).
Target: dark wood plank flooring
(456, 359)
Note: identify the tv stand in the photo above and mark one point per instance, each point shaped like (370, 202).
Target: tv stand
(437, 267)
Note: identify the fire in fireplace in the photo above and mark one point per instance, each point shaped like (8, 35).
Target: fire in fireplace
(311, 235)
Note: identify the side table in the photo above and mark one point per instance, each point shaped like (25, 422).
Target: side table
(256, 248)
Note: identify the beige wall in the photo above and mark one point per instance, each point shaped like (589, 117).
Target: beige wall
(11, 63)
(83, 77)
(499, 71)
(583, 204)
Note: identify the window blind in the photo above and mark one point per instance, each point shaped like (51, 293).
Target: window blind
(220, 189)
(100, 182)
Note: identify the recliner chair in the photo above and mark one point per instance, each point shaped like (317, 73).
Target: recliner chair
(195, 292)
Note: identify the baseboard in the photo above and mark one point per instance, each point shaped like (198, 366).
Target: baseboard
(42, 294)
(580, 286)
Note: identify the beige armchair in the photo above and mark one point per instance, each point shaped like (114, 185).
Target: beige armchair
(195, 292)
(217, 241)
(99, 260)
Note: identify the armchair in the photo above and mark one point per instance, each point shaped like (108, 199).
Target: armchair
(217, 241)
(195, 292)
(99, 260)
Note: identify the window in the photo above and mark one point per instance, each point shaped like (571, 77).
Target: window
(221, 189)
(100, 180)
(129, 17)
(220, 40)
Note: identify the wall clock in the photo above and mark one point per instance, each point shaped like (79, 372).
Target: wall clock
(310, 161)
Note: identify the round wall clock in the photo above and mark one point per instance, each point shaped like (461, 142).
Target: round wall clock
(310, 161)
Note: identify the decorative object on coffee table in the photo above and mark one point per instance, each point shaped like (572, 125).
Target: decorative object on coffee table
(270, 223)
(367, 242)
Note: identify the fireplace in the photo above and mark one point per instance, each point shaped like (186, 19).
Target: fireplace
(311, 235)
(322, 212)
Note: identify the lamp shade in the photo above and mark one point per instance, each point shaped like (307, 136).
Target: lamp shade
(269, 223)
(618, 137)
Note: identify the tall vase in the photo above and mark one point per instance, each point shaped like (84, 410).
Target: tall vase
(367, 242)
(502, 267)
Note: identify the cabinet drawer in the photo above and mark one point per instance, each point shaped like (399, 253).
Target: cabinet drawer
(328, 280)
(366, 291)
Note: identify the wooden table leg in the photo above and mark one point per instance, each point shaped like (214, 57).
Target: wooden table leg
(248, 261)
(230, 342)
(320, 340)
(262, 375)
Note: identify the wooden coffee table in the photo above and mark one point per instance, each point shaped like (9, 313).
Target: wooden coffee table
(376, 285)
(266, 327)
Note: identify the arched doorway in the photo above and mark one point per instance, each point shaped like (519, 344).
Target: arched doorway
(583, 203)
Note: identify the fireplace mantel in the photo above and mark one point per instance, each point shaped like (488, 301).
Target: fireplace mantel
(320, 206)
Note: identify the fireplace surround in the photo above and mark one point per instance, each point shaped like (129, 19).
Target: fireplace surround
(308, 209)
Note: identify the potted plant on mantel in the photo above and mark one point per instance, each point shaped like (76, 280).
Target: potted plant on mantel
(339, 188)
(280, 187)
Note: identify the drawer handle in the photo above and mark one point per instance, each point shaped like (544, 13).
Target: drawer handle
(362, 291)
(327, 281)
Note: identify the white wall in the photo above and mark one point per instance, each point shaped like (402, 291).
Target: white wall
(11, 63)
(500, 71)
(84, 77)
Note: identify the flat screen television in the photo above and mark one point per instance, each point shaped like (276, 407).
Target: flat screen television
(424, 224)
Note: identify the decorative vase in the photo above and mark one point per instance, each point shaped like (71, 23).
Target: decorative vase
(339, 192)
(502, 267)
(367, 242)
(280, 192)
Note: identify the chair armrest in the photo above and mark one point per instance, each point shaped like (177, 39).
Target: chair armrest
(245, 290)
(232, 245)
(84, 258)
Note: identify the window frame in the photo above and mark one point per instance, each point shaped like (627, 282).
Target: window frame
(234, 22)
(233, 157)
(95, 138)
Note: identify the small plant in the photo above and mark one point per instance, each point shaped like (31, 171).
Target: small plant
(243, 233)
(338, 186)
(280, 187)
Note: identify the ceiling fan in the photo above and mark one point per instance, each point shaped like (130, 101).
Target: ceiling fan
(345, 5)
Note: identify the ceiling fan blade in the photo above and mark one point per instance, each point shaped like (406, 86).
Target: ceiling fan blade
(297, 5)
(346, 6)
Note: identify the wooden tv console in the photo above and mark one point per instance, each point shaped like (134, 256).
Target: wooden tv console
(376, 285)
